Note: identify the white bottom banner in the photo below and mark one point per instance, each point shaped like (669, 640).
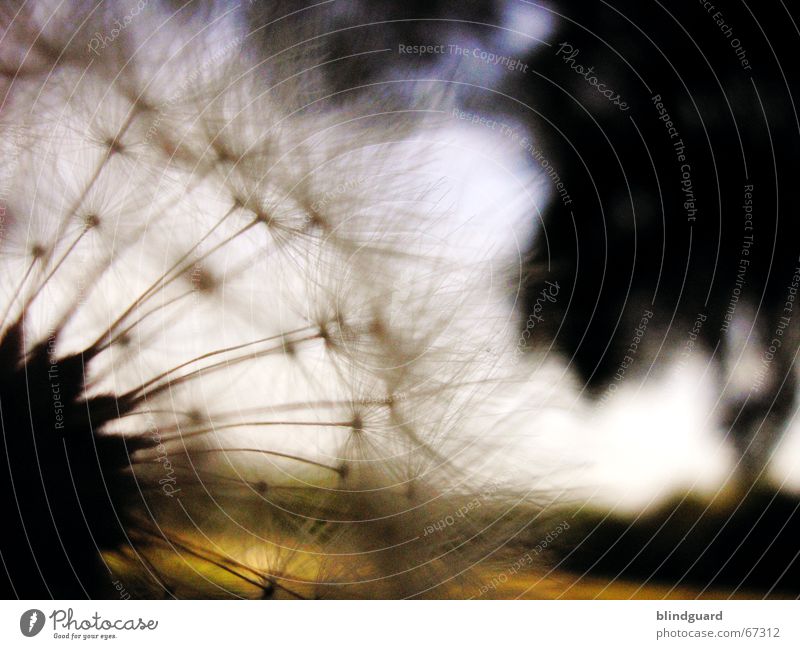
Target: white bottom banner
(382, 624)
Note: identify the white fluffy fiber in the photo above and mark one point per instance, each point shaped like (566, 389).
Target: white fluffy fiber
(313, 300)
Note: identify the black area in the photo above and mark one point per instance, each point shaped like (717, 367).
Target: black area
(751, 546)
(62, 485)
(615, 243)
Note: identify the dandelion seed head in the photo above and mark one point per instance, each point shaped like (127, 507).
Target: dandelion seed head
(278, 305)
